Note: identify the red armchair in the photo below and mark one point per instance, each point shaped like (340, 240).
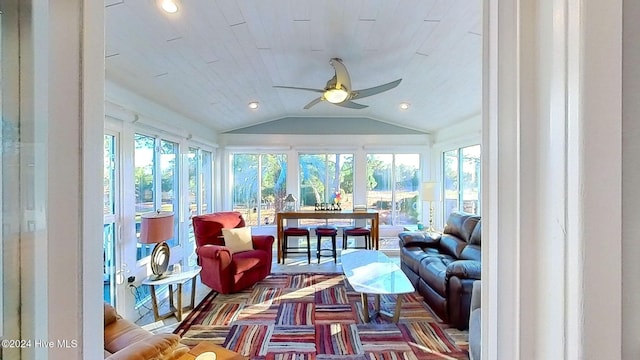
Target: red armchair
(221, 270)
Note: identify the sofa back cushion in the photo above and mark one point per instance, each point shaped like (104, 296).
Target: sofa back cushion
(208, 228)
(451, 245)
(454, 224)
(473, 251)
(476, 235)
(460, 232)
(461, 225)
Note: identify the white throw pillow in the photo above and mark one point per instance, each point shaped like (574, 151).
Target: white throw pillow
(238, 239)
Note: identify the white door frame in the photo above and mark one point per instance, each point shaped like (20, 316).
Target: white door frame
(552, 179)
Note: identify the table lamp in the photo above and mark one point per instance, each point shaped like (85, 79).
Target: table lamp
(156, 228)
(431, 193)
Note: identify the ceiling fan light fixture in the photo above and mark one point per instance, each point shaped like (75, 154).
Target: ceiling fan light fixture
(169, 6)
(336, 96)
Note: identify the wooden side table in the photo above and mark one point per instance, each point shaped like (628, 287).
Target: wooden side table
(221, 353)
(173, 279)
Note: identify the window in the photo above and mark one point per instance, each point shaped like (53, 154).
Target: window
(156, 172)
(461, 179)
(259, 186)
(109, 211)
(200, 182)
(325, 178)
(200, 164)
(393, 187)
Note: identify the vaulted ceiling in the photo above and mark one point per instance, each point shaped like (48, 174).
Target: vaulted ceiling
(213, 57)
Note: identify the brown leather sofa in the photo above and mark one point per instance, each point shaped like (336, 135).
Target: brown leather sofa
(443, 267)
(124, 340)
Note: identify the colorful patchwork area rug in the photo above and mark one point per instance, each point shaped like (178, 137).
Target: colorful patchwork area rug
(316, 316)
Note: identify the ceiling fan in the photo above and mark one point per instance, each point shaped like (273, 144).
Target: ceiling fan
(338, 89)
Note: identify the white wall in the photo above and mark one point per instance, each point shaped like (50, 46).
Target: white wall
(128, 106)
(463, 133)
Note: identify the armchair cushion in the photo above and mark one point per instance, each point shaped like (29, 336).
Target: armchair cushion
(208, 228)
(238, 239)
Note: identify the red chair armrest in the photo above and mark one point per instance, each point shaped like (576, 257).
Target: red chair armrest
(263, 242)
(217, 252)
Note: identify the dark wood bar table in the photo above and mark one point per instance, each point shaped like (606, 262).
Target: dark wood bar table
(372, 215)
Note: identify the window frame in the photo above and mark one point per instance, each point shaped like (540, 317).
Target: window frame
(460, 173)
(278, 202)
(176, 243)
(393, 180)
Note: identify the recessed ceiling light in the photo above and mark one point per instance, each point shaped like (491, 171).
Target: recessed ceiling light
(253, 105)
(404, 106)
(169, 6)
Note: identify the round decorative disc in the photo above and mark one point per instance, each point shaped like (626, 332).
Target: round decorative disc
(160, 259)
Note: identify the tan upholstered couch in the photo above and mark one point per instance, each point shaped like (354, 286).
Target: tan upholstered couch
(126, 340)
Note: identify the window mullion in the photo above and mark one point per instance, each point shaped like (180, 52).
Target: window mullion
(460, 183)
(259, 190)
(157, 175)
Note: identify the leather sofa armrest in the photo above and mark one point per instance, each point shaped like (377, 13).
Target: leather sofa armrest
(419, 238)
(158, 346)
(110, 314)
(464, 269)
(262, 242)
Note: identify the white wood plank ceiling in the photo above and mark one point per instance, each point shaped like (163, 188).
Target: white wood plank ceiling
(211, 58)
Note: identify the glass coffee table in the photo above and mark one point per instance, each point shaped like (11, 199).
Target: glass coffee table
(372, 272)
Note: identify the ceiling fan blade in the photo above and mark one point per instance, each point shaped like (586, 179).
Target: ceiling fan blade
(342, 75)
(299, 88)
(313, 102)
(359, 94)
(351, 105)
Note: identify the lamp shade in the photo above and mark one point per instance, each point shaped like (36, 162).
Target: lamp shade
(156, 227)
(290, 198)
(430, 191)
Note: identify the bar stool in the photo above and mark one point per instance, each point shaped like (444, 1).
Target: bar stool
(295, 231)
(355, 232)
(324, 231)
